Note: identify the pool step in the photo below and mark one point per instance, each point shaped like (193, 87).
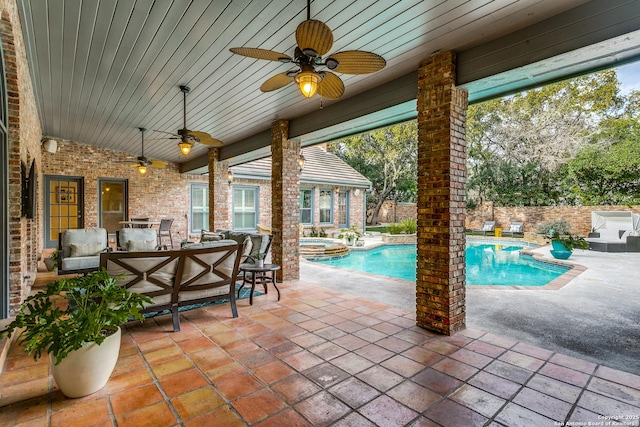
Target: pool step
(320, 250)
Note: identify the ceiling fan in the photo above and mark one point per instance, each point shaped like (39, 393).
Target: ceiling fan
(143, 162)
(187, 137)
(314, 39)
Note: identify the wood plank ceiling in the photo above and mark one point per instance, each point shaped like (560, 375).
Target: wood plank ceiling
(101, 69)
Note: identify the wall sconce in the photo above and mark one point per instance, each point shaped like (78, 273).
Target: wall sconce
(336, 190)
(229, 177)
(301, 161)
(357, 192)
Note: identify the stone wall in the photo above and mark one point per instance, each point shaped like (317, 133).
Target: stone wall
(392, 211)
(24, 137)
(578, 216)
(160, 193)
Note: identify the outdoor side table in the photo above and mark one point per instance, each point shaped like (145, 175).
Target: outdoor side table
(261, 275)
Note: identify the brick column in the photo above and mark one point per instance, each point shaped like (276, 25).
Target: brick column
(440, 287)
(219, 192)
(285, 206)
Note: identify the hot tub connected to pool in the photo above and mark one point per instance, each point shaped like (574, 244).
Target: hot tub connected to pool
(319, 249)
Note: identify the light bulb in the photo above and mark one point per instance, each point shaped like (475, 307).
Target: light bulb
(308, 82)
(185, 147)
(142, 169)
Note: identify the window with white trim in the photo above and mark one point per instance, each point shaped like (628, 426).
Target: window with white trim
(326, 206)
(245, 208)
(306, 206)
(199, 207)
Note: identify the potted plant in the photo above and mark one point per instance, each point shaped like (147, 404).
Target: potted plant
(350, 235)
(51, 262)
(83, 338)
(259, 257)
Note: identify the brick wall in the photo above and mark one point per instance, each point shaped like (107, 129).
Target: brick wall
(356, 210)
(160, 193)
(578, 216)
(392, 211)
(24, 147)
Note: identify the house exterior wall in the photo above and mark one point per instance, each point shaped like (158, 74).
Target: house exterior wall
(24, 136)
(160, 193)
(356, 210)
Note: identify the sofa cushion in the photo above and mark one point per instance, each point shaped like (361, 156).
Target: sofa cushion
(141, 245)
(80, 263)
(82, 235)
(86, 249)
(208, 236)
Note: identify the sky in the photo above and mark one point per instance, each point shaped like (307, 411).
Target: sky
(629, 76)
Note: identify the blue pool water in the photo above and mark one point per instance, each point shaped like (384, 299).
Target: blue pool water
(487, 264)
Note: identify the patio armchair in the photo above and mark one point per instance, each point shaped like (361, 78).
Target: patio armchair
(487, 227)
(79, 250)
(164, 230)
(516, 228)
(136, 239)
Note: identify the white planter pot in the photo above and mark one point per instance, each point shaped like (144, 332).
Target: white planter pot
(87, 370)
(260, 263)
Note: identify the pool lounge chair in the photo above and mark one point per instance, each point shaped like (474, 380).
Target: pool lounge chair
(487, 227)
(516, 228)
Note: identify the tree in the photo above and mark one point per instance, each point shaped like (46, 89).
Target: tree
(388, 158)
(517, 144)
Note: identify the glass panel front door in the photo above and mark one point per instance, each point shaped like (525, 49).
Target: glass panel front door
(113, 204)
(63, 207)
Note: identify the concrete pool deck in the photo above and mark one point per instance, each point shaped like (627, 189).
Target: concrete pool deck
(595, 316)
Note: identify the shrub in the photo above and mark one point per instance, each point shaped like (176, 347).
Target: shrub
(395, 228)
(560, 226)
(410, 226)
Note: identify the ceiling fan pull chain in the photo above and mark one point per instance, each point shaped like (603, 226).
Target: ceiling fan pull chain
(321, 103)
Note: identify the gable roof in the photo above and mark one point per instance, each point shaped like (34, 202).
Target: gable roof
(320, 167)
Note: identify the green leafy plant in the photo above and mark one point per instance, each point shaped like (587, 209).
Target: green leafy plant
(560, 226)
(570, 241)
(410, 226)
(350, 233)
(395, 228)
(96, 307)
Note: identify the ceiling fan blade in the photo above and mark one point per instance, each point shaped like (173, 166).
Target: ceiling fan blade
(357, 62)
(206, 139)
(315, 35)
(276, 82)
(331, 86)
(157, 164)
(168, 133)
(253, 52)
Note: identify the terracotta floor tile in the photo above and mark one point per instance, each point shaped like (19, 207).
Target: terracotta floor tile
(372, 321)
(328, 350)
(241, 347)
(522, 360)
(207, 357)
(384, 327)
(352, 363)
(269, 340)
(354, 419)
(497, 340)
(322, 409)
(565, 374)
(380, 378)
(18, 376)
(286, 418)
(330, 333)
(171, 367)
(331, 319)
(456, 369)
(133, 399)
(159, 342)
(422, 355)
(273, 372)
(224, 369)
(450, 413)
(581, 416)
(403, 366)
(196, 344)
(295, 388)
(302, 360)
(369, 334)
(216, 328)
(156, 415)
(558, 389)
(354, 392)
(394, 344)
(95, 410)
(256, 358)
(416, 336)
(472, 358)
(238, 385)
(485, 348)
(457, 339)
(530, 350)
(37, 422)
(615, 391)
(541, 403)
(350, 342)
(437, 381)
(440, 347)
(325, 374)
(515, 415)
(312, 325)
(25, 411)
(252, 330)
(258, 406)
(374, 353)
(285, 349)
(496, 385)
(478, 400)
(350, 327)
(573, 363)
(414, 396)
(620, 377)
(183, 382)
(508, 371)
(219, 417)
(604, 405)
(163, 354)
(197, 402)
(226, 337)
(128, 380)
(385, 411)
(24, 390)
(128, 363)
(309, 339)
(403, 321)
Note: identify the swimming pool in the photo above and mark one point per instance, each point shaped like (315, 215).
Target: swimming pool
(488, 264)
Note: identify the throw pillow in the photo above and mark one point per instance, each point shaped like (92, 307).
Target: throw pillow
(210, 236)
(247, 245)
(85, 249)
(141, 245)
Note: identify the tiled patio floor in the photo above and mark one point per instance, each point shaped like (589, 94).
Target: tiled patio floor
(321, 357)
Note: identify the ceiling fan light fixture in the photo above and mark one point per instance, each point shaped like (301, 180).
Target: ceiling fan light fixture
(185, 147)
(308, 82)
(142, 169)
